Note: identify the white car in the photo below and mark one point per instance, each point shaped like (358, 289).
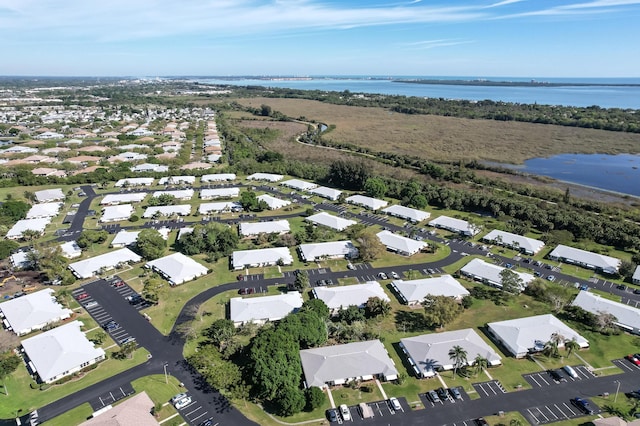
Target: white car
(344, 411)
(181, 403)
(395, 404)
(178, 397)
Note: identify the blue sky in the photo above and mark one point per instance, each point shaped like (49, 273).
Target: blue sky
(520, 38)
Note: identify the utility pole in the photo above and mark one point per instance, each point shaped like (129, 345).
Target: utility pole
(166, 378)
(617, 390)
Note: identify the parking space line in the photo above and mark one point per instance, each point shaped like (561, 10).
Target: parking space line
(543, 379)
(624, 365)
(560, 410)
(569, 408)
(532, 378)
(533, 416)
(545, 417)
(551, 412)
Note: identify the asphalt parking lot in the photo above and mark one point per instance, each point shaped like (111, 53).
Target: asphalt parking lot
(550, 413)
(489, 389)
(382, 413)
(625, 365)
(194, 413)
(543, 378)
(112, 396)
(427, 402)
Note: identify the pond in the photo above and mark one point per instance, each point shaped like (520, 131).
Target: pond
(617, 173)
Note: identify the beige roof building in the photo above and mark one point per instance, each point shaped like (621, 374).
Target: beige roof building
(135, 411)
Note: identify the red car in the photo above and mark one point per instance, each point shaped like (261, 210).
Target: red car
(82, 296)
(240, 277)
(118, 284)
(633, 358)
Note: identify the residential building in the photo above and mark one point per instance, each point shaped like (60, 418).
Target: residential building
(134, 411)
(586, 259)
(32, 312)
(399, 244)
(458, 226)
(328, 193)
(178, 194)
(211, 193)
(24, 225)
(259, 310)
(49, 195)
(180, 210)
(314, 252)
(227, 206)
(489, 273)
(269, 177)
(94, 265)
(413, 292)
(115, 199)
(134, 182)
(525, 245)
(261, 257)
(298, 184)
(117, 213)
(331, 221)
(273, 202)
(177, 268)
(626, 316)
(253, 229)
(218, 177)
(407, 213)
(338, 298)
(366, 202)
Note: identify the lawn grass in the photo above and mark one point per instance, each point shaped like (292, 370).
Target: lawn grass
(21, 396)
(507, 418)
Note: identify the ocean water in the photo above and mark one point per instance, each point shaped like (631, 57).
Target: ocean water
(606, 94)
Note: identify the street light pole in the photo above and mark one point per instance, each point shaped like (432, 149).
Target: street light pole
(617, 390)
(166, 379)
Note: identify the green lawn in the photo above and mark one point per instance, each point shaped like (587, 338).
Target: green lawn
(21, 396)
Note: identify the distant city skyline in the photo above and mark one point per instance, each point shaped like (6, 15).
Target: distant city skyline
(518, 38)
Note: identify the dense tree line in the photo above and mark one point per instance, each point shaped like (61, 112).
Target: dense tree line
(212, 238)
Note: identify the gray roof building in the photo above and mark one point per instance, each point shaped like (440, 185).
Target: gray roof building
(526, 245)
(366, 202)
(428, 353)
(89, 267)
(339, 364)
(627, 317)
(337, 298)
(585, 258)
(259, 310)
(407, 213)
(399, 244)
(489, 273)
(177, 268)
(414, 291)
(331, 221)
(331, 250)
(455, 225)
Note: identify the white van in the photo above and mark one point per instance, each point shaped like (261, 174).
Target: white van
(570, 371)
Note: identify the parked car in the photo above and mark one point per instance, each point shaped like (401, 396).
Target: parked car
(633, 359)
(321, 283)
(91, 304)
(442, 393)
(395, 275)
(240, 277)
(433, 396)
(111, 325)
(247, 290)
(557, 375)
(570, 371)
(345, 413)
(329, 282)
(395, 404)
(621, 287)
(332, 415)
(551, 278)
(636, 291)
(431, 271)
(181, 403)
(208, 422)
(480, 421)
(178, 397)
(82, 296)
(455, 392)
(350, 266)
(582, 404)
(118, 283)
(383, 276)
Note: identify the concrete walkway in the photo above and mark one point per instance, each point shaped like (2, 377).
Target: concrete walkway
(170, 417)
(487, 373)
(442, 382)
(330, 395)
(384, 394)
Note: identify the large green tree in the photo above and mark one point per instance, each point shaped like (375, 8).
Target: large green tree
(151, 244)
(375, 187)
(440, 310)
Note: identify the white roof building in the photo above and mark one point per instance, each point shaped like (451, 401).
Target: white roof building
(399, 244)
(134, 182)
(428, 353)
(89, 267)
(178, 194)
(49, 195)
(260, 310)
(524, 335)
(339, 364)
(227, 206)
(23, 225)
(627, 317)
(524, 244)
(180, 210)
(251, 229)
(261, 257)
(211, 193)
(115, 199)
(331, 250)
(128, 156)
(148, 167)
(44, 210)
(585, 258)
(325, 192)
(366, 202)
(407, 213)
(273, 202)
(184, 231)
(413, 292)
(34, 311)
(71, 249)
(177, 180)
(177, 268)
(299, 184)
(269, 177)
(117, 213)
(636, 276)
(20, 260)
(455, 225)
(489, 273)
(338, 298)
(331, 221)
(218, 177)
(124, 238)
(60, 352)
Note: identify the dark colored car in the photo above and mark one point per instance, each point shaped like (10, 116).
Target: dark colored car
(134, 299)
(321, 283)
(208, 422)
(442, 393)
(240, 277)
(582, 404)
(621, 287)
(557, 376)
(332, 415)
(111, 325)
(480, 421)
(329, 282)
(247, 290)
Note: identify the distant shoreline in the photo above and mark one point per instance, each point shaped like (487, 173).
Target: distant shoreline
(532, 83)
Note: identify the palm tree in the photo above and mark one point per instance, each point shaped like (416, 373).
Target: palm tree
(459, 357)
(551, 347)
(480, 363)
(571, 345)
